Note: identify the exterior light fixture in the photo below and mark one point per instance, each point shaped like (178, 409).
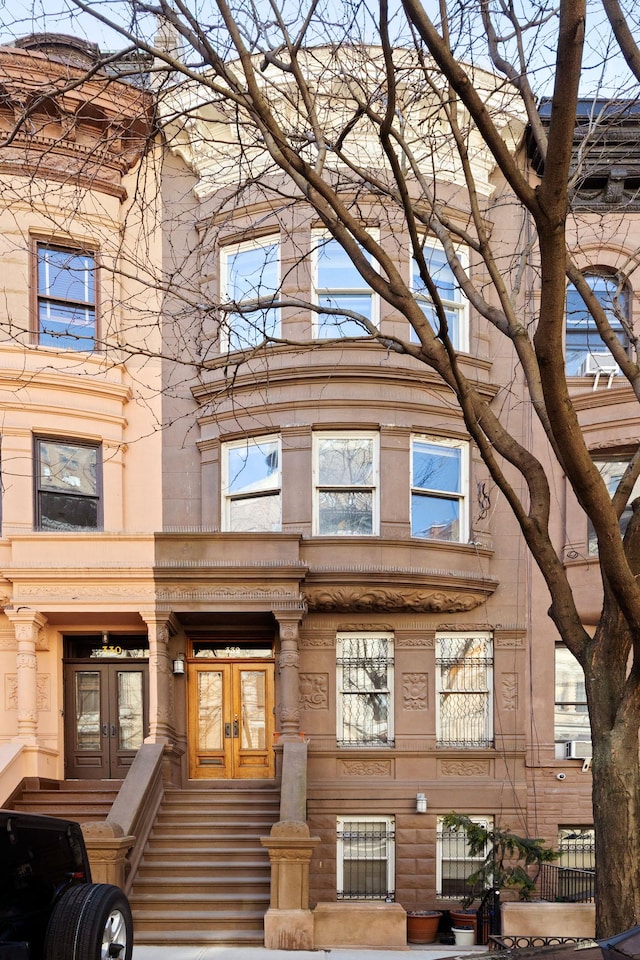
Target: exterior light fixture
(178, 666)
(421, 803)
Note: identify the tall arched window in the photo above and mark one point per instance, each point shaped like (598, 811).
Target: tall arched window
(585, 352)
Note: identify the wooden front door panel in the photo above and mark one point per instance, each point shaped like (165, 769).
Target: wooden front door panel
(105, 718)
(231, 720)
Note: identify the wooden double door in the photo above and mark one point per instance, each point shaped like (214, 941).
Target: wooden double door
(231, 720)
(105, 717)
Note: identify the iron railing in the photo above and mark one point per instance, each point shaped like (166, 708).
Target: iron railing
(566, 884)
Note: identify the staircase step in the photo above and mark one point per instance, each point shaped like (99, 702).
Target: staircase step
(205, 876)
(81, 800)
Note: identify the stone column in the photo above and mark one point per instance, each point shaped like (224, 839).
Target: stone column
(27, 625)
(288, 923)
(289, 663)
(161, 718)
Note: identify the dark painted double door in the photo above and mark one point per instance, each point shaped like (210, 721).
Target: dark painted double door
(105, 718)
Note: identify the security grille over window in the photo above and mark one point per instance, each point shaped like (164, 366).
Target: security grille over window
(577, 847)
(365, 859)
(365, 667)
(465, 691)
(455, 865)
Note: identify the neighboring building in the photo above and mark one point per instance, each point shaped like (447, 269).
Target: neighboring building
(221, 546)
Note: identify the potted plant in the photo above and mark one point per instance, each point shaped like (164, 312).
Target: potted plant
(511, 862)
(422, 925)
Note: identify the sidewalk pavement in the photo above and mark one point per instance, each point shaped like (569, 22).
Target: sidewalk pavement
(203, 952)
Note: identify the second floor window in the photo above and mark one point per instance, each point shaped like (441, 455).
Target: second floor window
(585, 353)
(438, 489)
(612, 472)
(365, 685)
(339, 286)
(464, 680)
(67, 483)
(346, 484)
(66, 297)
(251, 484)
(249, 286)
(571, 712)
(453, 300)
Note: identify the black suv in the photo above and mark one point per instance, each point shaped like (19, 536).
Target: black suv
(49, 908)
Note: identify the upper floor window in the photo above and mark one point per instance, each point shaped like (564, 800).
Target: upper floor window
(251, 484)
(439, 478)
(345, 484)
(66, 297)
(250, 279)
(339, 286)
(67, 485)
(455, 305)
(571, 711)
(464, 685)
(585, 353)
(612, 472)
(364, 689)
(365, 858)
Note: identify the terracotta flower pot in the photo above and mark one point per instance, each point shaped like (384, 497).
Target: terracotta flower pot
(464, 919)
(422, 925)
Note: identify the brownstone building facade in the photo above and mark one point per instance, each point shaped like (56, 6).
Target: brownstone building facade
(232, 522)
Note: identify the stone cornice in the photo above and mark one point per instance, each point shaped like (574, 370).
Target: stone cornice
(58, 125)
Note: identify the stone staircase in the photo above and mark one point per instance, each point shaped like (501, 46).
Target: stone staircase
(83, 800)
(205, 877)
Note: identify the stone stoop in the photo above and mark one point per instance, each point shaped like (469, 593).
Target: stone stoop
(85, 801)
(205, 877)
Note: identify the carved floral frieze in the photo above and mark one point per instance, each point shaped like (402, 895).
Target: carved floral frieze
(370, 599)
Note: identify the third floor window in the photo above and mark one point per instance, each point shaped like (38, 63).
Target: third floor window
(454, 303)
(66, 297)
(250, 280)
(585, 352)
(339, 286)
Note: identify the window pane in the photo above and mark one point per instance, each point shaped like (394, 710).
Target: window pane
(253, 467)
(60, 512)
(253, 732)
(436, 467)
(65, 275)
(465, 677)
(346, 513)
(340, 287)
(435, 518)
(365, 718)
(67, 467)
(87, 683)
(571, 714)
(130, 732)
(209, 710)
(365, 859)
(582, 336)
(255, 513)
(252, 275)
(335, 268)
(345, 461)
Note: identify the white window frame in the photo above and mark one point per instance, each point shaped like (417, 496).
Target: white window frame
(226, 253)
(374, 486)
(318, 239)
(229, 497)
(612, 469)
(341, 694)
(460, 306)
(567, 671)
(342, 826)
(462, 497)
(484, 821)
(594, 348)
(465, 686)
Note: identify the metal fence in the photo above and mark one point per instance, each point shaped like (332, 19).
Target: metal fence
(566, 884)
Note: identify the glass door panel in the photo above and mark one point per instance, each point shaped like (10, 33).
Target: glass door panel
(230, 720)
(87, 712)
(130, 708)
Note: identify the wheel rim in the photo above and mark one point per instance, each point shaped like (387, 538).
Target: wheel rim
(114, 937)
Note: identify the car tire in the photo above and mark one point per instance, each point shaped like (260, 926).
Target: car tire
(90, 922)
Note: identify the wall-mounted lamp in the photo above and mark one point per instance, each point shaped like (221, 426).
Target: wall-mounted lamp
(178, 666)
(421, 803)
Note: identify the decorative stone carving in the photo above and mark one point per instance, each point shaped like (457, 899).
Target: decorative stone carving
(415, 691)
(464, 768)
(377, 598)
(410, 643)
(314, 691)
(11, 691)
(366, 768)
(510, 691)
(289, 659)
(318, 643)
